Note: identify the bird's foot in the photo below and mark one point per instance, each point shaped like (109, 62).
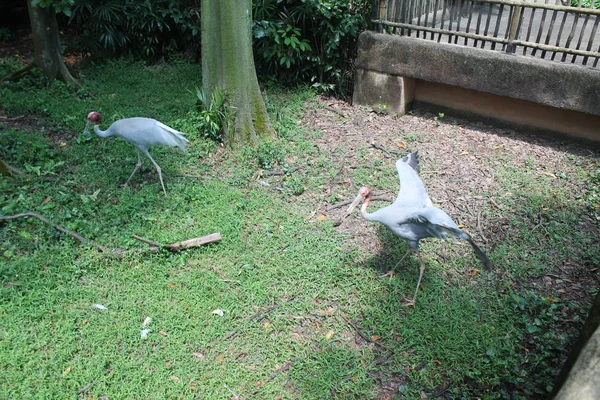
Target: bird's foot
(390, 274)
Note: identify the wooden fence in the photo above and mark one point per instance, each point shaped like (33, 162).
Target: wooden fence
(548, 29)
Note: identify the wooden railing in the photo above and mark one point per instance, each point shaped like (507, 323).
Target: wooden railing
(548, 29)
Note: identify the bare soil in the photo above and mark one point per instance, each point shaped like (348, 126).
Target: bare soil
(460, 162)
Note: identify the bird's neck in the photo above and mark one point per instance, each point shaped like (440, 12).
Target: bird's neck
(101, 133)
(363, 210)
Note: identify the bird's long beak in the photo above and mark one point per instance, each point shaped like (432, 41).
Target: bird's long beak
(356, 202)
(87, 126)
(86, 131)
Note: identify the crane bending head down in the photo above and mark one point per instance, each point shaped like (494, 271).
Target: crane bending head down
(142, 133)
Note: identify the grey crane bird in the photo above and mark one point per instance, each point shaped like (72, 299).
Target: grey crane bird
(142, 133)
(412, 216)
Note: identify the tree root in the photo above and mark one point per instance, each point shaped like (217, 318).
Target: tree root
(15, 76)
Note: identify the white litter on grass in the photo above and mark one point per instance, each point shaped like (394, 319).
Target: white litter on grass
(219, 312)
(144, 333)
(99, 307)
(147, 321)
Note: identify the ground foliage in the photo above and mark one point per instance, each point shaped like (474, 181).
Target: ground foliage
(305, 312)
(309, 41)
(148, 30)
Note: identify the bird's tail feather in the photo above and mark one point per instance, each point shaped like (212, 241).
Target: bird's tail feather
(480, 254)
(180, 140)
(457, 233)
(412, 159)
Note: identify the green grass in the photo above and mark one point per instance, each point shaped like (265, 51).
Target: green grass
(293, 290)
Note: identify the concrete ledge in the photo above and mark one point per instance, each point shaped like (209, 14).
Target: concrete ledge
(395, 72)
(558, 85)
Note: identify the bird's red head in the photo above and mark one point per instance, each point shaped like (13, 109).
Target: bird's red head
(95, 117)
(364, 195)
(364, 192)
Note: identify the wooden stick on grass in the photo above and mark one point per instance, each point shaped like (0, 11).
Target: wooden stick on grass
(186, 244)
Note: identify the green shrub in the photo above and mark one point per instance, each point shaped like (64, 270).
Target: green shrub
(308, 40)
(145, 29)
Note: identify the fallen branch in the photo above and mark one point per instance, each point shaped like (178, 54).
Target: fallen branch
(259, 316)
(341, 114)
(286, 367)
(186, 244)
(362, 335)
(345, 203)
(75, 235)
(7, 170)
(386, 152)
(267, 184)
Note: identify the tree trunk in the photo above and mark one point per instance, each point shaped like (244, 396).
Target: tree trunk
(228, 63)
(578, 379)
(46, 44)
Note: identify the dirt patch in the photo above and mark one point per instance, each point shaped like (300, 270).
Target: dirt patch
(459, 160)
(461, 165)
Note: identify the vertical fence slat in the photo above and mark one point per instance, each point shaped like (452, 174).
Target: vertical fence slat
(487, 24)
(529, 27)
(541, 27)
(470, 11)
(513, 28)
(497, 27)
(478, 23)
(560, 31)
(435, 10)
(443, 18)
(419, 13)
(450, 19)
(592, 36)
(550, 29)
(583, 28)
(572, 33)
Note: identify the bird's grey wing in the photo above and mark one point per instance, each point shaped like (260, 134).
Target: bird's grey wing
(436, 223)
(412, 191)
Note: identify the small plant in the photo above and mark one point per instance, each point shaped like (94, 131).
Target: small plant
(269, 154)
(213, 113)
(5, 34)
(410, 137)
(294, 184)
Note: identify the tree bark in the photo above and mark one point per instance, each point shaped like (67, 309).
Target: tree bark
(228, 63)
(46, 44)
(578, 379)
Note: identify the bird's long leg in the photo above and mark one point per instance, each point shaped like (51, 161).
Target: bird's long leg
(422, 269)
(392, 271)
(157, 169)
(137, 166)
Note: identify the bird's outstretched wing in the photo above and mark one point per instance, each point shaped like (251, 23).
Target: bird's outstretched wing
(438, 224)
(412, 191)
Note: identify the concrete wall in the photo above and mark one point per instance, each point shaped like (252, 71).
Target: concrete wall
(394, 73)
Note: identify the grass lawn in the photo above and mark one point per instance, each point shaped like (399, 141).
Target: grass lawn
(306, 314)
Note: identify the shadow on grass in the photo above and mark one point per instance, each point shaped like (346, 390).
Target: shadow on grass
(479, 333)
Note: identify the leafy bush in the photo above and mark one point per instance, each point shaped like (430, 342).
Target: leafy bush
(308, 40)
(146, 29)
(213, 113)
